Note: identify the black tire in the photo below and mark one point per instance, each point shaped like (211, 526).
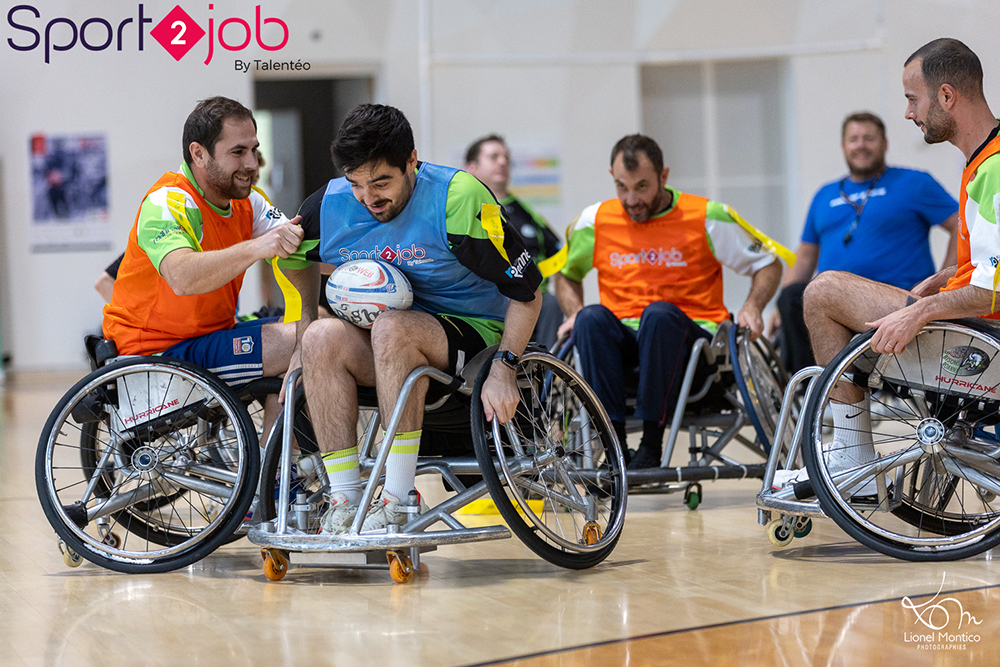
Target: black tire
(761, 379)
(197, 457)
(934, 402)
(555, 415)
(306, 439)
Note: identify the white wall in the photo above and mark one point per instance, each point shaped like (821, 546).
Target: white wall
(559, 72)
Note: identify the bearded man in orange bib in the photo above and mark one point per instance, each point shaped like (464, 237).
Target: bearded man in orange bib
(659, 255)
(196, 233)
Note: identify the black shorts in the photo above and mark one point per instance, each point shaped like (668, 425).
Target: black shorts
(464, 342)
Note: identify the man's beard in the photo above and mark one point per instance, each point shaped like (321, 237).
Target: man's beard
(865, 173)
(226, 184)
(939, 126)
(649, 210)
(394, 207)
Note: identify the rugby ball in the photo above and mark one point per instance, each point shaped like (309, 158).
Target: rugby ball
(361, 290)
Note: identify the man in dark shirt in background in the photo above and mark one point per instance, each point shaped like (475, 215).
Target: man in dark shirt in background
(488, 159)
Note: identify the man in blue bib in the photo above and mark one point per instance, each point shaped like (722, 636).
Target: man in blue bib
(474, 285)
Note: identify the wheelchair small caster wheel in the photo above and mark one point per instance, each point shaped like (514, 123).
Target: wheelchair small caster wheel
(275, 564)
(803, 526)
(400, 567)
(70, 557)
(591, 534)
(692, 496)
(112, 540)
(778, 534)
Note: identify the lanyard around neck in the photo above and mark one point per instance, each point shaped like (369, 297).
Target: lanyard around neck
(858, 208)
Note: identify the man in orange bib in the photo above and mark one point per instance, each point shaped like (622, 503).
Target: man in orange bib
(196, 233)
(943, 84)
(659, 254)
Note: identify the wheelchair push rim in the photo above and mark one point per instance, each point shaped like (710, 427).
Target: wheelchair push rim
(936, 410)
(561, 451)
(163, 486)
(761, 379)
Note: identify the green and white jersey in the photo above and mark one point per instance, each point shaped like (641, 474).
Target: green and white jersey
(160, 229)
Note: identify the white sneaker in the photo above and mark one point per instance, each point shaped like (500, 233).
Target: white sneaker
(838, 459)
(309, 471)
(338, 518)
(383, 511)
(783, 478)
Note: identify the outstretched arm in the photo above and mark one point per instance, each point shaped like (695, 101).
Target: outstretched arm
(762, 287)
(934, 283)
(188, 271)
(500, 395)
(570, 296)
(897, 329)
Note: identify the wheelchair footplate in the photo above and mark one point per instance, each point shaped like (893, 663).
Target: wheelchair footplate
(397, 548)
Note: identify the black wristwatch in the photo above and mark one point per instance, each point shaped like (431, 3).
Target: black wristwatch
(507, 357)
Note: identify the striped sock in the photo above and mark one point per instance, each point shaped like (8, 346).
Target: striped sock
(401, 468)
(343, 473)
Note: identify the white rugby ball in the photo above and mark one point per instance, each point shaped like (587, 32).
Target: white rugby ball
(361, 290)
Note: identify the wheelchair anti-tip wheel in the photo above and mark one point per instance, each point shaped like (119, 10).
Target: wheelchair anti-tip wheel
(147, 465)
(930, 493)
(559, 449)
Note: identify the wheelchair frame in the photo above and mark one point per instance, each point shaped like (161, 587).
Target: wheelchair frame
(399, 548)
(710, 434)
(945, 464)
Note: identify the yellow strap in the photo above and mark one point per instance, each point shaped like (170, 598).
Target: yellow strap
(293, 300)
(489, 216)
(262, 194)
(555, 263)
(996, 281)
(775, 247)
(175, 202)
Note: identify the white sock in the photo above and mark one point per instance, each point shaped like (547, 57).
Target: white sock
(852, 429)
(401, 468)
(343, 473)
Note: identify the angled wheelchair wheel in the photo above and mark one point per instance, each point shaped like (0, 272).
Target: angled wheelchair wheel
(555, 471)
(931, 492)
(147, 465)
(761, 379)
(253, 396)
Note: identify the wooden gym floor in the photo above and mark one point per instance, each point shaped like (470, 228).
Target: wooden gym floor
(683, 587)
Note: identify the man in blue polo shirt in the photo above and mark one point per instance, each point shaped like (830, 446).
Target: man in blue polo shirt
(874, 222)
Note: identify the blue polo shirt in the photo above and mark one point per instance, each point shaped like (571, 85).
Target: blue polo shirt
(891, 241)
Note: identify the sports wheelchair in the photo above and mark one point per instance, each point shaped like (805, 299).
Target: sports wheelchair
(555, 473)
(149, 464)
(930, 494)
(730, 383)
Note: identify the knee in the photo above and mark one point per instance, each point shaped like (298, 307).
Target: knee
(820, 291)
(593, 319)
(391, 332)
(322, 340)
(662, 310)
